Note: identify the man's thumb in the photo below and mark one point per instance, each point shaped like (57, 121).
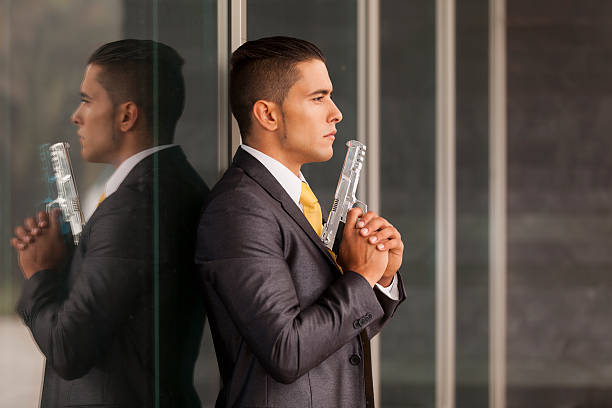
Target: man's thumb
(55, 219)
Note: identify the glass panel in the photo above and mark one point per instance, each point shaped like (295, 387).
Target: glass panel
(43, 51)
(190, 27)
(472, 295)
(559, 195)
(407, 31)
(332, 26)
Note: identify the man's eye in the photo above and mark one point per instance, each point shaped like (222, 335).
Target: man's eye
(318, 99)
(84, 100)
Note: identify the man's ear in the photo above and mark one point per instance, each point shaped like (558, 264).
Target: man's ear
(267, 114)
(128, 115)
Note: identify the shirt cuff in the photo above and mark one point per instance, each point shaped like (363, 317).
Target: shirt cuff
(392, 291)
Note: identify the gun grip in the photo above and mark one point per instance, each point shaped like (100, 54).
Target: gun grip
(336, 246)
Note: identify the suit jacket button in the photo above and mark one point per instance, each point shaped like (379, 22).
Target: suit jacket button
(355, 359)
(362, 321)
(356, 324)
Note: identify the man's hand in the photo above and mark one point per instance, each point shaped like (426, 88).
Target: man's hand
(39, 247)
(385, 237)
(30, 229)
(359, 256)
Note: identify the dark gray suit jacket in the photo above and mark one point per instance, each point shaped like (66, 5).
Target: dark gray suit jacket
(97, 326)
(285, 321)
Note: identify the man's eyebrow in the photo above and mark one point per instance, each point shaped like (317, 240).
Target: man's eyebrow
(84, 95)
(320, 92)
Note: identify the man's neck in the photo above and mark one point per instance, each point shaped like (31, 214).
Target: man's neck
(276, 154)
(133, 143)
(127, 153)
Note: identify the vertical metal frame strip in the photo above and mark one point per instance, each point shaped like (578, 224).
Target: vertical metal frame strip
(238, 35)
(445, 203)
(6, 133)
(223, 107)
(497, 203)
(231, 33)
(156, 306)
(368, 125)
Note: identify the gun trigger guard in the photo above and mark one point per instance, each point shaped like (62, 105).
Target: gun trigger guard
(51, 204)
(361, 205)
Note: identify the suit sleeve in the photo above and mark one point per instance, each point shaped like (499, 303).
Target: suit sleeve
(240, 252)
(389, 306)
(74, 329)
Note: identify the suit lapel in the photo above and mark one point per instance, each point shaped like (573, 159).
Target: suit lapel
(143, 173)
(266, 180)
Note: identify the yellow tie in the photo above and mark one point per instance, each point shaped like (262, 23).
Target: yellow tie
(311, 208)
(102, 197)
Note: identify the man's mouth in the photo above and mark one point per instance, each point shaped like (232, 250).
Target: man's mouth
(332, 135)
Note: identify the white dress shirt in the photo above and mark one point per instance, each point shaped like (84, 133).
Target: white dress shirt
(126, 166)
(292, 184)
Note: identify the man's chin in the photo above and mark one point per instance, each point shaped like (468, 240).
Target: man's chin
(322, 157)
(329, 154)
(89, 158)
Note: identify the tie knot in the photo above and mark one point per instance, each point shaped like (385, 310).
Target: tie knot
(307, 197)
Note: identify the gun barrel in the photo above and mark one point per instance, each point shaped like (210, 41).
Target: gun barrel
(344, 198)
(67, 195)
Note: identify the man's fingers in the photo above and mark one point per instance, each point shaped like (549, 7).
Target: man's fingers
(18, 244)
(43, 219)
(374, 225)
(390, 245)
(383, 235)
(367, 217)
(387, 239)
(353, 215)
(22, 234)
(32, 226)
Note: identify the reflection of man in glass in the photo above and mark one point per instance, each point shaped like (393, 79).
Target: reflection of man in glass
(120, 325)
(290, 328)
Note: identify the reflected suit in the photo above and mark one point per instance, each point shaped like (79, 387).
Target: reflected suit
(96, 323)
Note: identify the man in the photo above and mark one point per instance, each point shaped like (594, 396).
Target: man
(122, 326)
(290, 328)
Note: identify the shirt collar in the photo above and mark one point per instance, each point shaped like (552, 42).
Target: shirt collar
(127, 165)
(291, 183)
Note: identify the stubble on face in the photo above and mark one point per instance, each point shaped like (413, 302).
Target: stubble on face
(95, 118)
(309, 116)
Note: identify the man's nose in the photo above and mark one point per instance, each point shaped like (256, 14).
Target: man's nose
(75, 118)
(336, 115)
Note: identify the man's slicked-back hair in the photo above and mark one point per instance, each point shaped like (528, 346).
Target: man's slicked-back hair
(147, 73)
(265, 69)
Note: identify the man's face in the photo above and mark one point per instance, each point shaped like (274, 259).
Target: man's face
(95, 117)
(309, 116)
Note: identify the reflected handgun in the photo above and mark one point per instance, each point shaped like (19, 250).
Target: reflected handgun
(61, 182)
(344, 198)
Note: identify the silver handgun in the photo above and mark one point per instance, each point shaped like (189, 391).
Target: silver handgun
(67, 196)
(344, 198)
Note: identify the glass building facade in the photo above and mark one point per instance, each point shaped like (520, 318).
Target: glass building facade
(558, 186)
